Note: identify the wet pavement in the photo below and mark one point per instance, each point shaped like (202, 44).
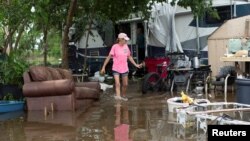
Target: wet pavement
(141, 118)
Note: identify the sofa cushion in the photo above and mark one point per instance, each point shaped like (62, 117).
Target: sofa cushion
(66, 74)
(39, 73)
(56, 75)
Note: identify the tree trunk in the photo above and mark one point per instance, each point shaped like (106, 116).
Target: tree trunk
(19, 37)
(87, 43)
(7, 41)
(65, 62)
(8, 38)
(45, 45)
(86, 52)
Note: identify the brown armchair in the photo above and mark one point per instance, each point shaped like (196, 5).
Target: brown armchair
(54, 88)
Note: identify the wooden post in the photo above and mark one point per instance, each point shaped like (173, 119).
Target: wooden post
(45, 112)
(52, 107)
(247, 28)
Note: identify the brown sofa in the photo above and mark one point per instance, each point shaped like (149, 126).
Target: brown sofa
(54, 88)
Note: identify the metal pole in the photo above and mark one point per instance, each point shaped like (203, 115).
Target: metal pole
(146, 37)
(132, 30)
(198, 35)
(234, 13)
(231, 8)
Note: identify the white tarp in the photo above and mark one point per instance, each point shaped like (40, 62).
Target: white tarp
(94, 40)
(161, 28)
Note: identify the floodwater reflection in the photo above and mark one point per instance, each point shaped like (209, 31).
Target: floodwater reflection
(121, 130)
(142, 118)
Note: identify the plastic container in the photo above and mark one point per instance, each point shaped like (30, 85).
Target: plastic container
(101, 78)
(175, 103)
(196, 62)
(10, 106)
(242, 91)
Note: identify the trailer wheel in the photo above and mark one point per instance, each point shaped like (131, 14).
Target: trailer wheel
(150, 82)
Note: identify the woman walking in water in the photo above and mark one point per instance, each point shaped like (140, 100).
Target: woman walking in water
(120, 54)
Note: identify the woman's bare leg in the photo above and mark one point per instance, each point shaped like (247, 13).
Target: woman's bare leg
(124, 85)
(117, 85)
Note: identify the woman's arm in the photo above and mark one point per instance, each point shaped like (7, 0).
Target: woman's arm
(105, 64)
(130, 58)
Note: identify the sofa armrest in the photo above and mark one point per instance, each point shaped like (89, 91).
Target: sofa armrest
(48, 88)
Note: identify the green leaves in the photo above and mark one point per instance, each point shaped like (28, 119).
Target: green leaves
(8, 97)
(12, 69)
(198, 7)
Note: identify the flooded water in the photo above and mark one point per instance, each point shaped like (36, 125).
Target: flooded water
(141, 118)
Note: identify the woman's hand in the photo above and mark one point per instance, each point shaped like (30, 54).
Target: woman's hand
(102, 72)
(138, 66)
(135, 64)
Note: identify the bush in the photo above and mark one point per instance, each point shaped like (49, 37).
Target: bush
(12, 69)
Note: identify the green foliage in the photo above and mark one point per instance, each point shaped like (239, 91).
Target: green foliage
(12, 69)
(8, 97)
(198, 7)
(111, 10)
(14, 12)
(15, 17)
(54, 44)
(117, 10)
(49, 13)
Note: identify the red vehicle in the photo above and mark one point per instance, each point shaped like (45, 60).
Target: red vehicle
(158, 77)
(173, 72)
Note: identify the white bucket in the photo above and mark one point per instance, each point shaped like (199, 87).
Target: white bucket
(173, 104)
